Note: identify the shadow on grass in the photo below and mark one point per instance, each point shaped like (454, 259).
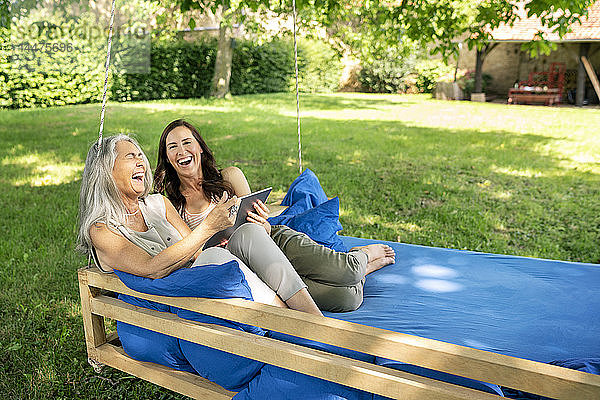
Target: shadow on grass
(329, 102)
(496, 191)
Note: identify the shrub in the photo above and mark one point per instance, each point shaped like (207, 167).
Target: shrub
(467, 83)
(407, 74)
(261, 68)
(319, 66)
(429, 72)
(386, 76)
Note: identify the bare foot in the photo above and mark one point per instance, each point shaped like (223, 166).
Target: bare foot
(379, 263)
(378, 256)
(375, 251)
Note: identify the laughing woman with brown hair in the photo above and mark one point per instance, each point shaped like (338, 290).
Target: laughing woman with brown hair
(187, 174)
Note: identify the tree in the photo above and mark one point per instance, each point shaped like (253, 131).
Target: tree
(437, 24)
(442, 24)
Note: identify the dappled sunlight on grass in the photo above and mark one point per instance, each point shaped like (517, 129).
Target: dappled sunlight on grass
(502, 195)
(377, 220)
(180, 105)
(409, 227)
(527, 173)
(37, 170)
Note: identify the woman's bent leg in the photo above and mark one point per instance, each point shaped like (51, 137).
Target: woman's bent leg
(317, 262)
(251, 243)
(261, 293)
(336, 298)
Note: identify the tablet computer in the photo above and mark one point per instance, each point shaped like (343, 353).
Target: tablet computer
(246, 205)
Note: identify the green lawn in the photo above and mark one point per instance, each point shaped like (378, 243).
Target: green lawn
(488, 177)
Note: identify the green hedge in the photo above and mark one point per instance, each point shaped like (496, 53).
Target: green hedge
(178, 69)
(264, 68)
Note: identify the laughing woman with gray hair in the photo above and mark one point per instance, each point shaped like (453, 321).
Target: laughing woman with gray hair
(123, 227)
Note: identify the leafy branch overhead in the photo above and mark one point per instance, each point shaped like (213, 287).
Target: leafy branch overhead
(438, 24)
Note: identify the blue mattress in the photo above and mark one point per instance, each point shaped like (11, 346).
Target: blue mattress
(541, 310)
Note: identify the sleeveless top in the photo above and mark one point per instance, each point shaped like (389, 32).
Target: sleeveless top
(193, 220)
(160, 234)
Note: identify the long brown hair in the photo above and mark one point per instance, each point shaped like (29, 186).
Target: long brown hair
(166, 180)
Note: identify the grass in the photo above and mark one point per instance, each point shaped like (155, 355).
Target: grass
(518, 180)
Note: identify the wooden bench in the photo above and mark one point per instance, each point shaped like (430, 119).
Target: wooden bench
(548, 97)
(96, 304)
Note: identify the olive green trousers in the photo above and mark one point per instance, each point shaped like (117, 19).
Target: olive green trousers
(334, 279)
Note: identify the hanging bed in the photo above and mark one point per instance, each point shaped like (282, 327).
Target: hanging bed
(437, 324)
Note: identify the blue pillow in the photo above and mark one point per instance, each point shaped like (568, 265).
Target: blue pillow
(301, 205)
(321, 224)
(211, 281)
(310, 212)
(307, 185)
(146, 345)
(281, 384)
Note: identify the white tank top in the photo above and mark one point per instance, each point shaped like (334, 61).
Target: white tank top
(160, 234)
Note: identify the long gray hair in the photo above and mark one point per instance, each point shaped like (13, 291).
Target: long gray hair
(99, 199)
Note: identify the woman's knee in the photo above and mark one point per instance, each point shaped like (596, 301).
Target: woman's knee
(336, 298)
(245, 236)
(214, 255)
(355, 269)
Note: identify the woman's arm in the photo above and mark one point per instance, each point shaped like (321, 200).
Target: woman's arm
(237, 180)
(116, 251)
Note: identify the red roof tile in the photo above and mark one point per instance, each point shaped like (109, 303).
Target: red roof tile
(525, 29)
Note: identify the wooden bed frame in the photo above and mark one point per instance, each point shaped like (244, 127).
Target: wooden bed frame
(98, 302)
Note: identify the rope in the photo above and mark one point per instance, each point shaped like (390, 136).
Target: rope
(110, 32)
(297, 94)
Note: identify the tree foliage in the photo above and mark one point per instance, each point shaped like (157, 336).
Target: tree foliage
(439, 24)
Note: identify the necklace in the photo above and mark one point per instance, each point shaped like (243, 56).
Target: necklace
(127, 214)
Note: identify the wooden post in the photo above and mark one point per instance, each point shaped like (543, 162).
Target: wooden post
(479, 70)
(93, 324)
(592, 75)
(580, 96)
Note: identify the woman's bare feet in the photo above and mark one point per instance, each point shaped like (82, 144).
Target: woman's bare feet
(378, 256)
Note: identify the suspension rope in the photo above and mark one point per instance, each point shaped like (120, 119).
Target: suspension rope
(110, 32)
(297, 93)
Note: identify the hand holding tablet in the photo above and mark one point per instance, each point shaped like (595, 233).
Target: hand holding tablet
(246, 205)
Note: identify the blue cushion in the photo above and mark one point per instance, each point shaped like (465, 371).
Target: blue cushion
(310, 212)
(321, 224)
(146, 345)
(300, 206)
(307, 185)
(281, 384)
(210, 281)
